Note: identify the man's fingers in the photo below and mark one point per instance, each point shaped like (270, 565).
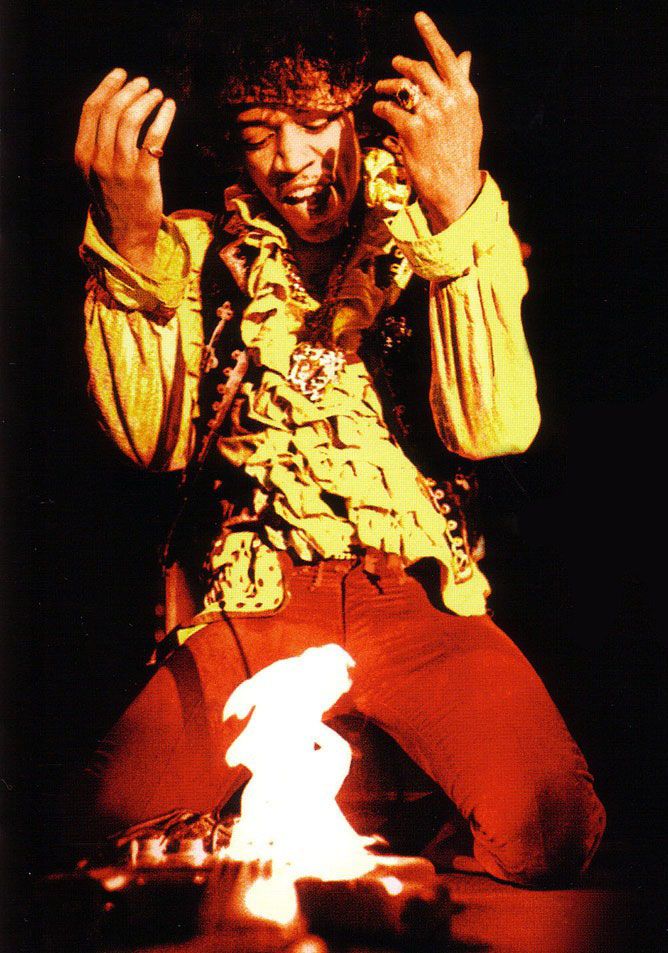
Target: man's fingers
(392, 144)
(464, 60)
(419, 72)
(158, 131)
(111, 83)
(392, 113)
(110, 116)
(440, 51)
(86, 137)
(131, 122)
(389, 87)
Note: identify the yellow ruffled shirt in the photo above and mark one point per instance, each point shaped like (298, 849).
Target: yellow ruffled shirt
(144, 343)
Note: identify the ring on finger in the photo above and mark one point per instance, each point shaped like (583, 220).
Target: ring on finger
(408, 96)
(154, 151)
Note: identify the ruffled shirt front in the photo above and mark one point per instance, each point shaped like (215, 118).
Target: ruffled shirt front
(309, 452)
(329, 476)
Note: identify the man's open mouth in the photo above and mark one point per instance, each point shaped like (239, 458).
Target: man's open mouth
(315, 195)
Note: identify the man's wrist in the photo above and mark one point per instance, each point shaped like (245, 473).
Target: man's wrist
(441, 213)
(137, 246)
(137, 250)
(453, 251)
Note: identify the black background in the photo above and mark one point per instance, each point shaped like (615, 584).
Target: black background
(570, 97)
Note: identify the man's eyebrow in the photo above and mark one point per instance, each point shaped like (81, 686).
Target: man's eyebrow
(244, 123)
(308, 115)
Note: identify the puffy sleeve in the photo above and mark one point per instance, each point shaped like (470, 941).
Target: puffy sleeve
(483, 386)
(144, 340)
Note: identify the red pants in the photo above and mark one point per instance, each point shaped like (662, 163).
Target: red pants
(455, 693)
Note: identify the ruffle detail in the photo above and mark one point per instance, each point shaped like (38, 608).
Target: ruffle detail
(272, 324)
(334, 476)
(309, 454)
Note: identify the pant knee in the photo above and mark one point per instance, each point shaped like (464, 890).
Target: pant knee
(544, 835)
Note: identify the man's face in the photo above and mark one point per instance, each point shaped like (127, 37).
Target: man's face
(305, 163)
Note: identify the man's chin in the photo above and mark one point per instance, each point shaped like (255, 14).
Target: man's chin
(319, 233)
(313, 225)
(316, 229)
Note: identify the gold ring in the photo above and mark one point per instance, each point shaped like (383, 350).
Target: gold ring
(408, 96)
(154, 151)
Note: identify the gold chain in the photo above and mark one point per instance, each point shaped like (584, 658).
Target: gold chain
(319, 330)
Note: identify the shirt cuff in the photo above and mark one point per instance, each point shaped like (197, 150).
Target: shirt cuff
(454, 251)
(161, 293)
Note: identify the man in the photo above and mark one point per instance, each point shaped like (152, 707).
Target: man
(323, 519)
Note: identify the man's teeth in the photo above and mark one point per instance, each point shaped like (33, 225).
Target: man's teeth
(303, 195)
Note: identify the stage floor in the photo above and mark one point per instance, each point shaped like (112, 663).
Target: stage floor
(604, 914)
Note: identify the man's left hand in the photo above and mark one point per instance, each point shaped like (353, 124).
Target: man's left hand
(440, 139)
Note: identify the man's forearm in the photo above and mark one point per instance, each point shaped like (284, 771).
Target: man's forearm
(143, 344)
(483, 390)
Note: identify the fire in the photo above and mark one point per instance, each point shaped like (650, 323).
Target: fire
(289, 815)
(392, 885)
(273, 898)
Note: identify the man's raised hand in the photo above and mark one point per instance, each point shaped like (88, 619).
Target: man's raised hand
(440, 139)
(124, 178)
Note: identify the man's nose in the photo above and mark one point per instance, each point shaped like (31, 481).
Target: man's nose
(293, 152)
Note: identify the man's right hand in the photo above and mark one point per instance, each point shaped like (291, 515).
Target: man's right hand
(125, 179)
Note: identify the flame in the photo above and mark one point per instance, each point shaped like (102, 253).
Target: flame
(147, 853)
(273, 898)
(194, 852)
(289, 815)
(115, 882)
(155, 848)
(392, 885)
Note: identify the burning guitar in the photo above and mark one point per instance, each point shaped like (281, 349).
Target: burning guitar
(290, 861)
(289, 814)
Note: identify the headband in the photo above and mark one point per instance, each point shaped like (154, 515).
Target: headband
(299, 83)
